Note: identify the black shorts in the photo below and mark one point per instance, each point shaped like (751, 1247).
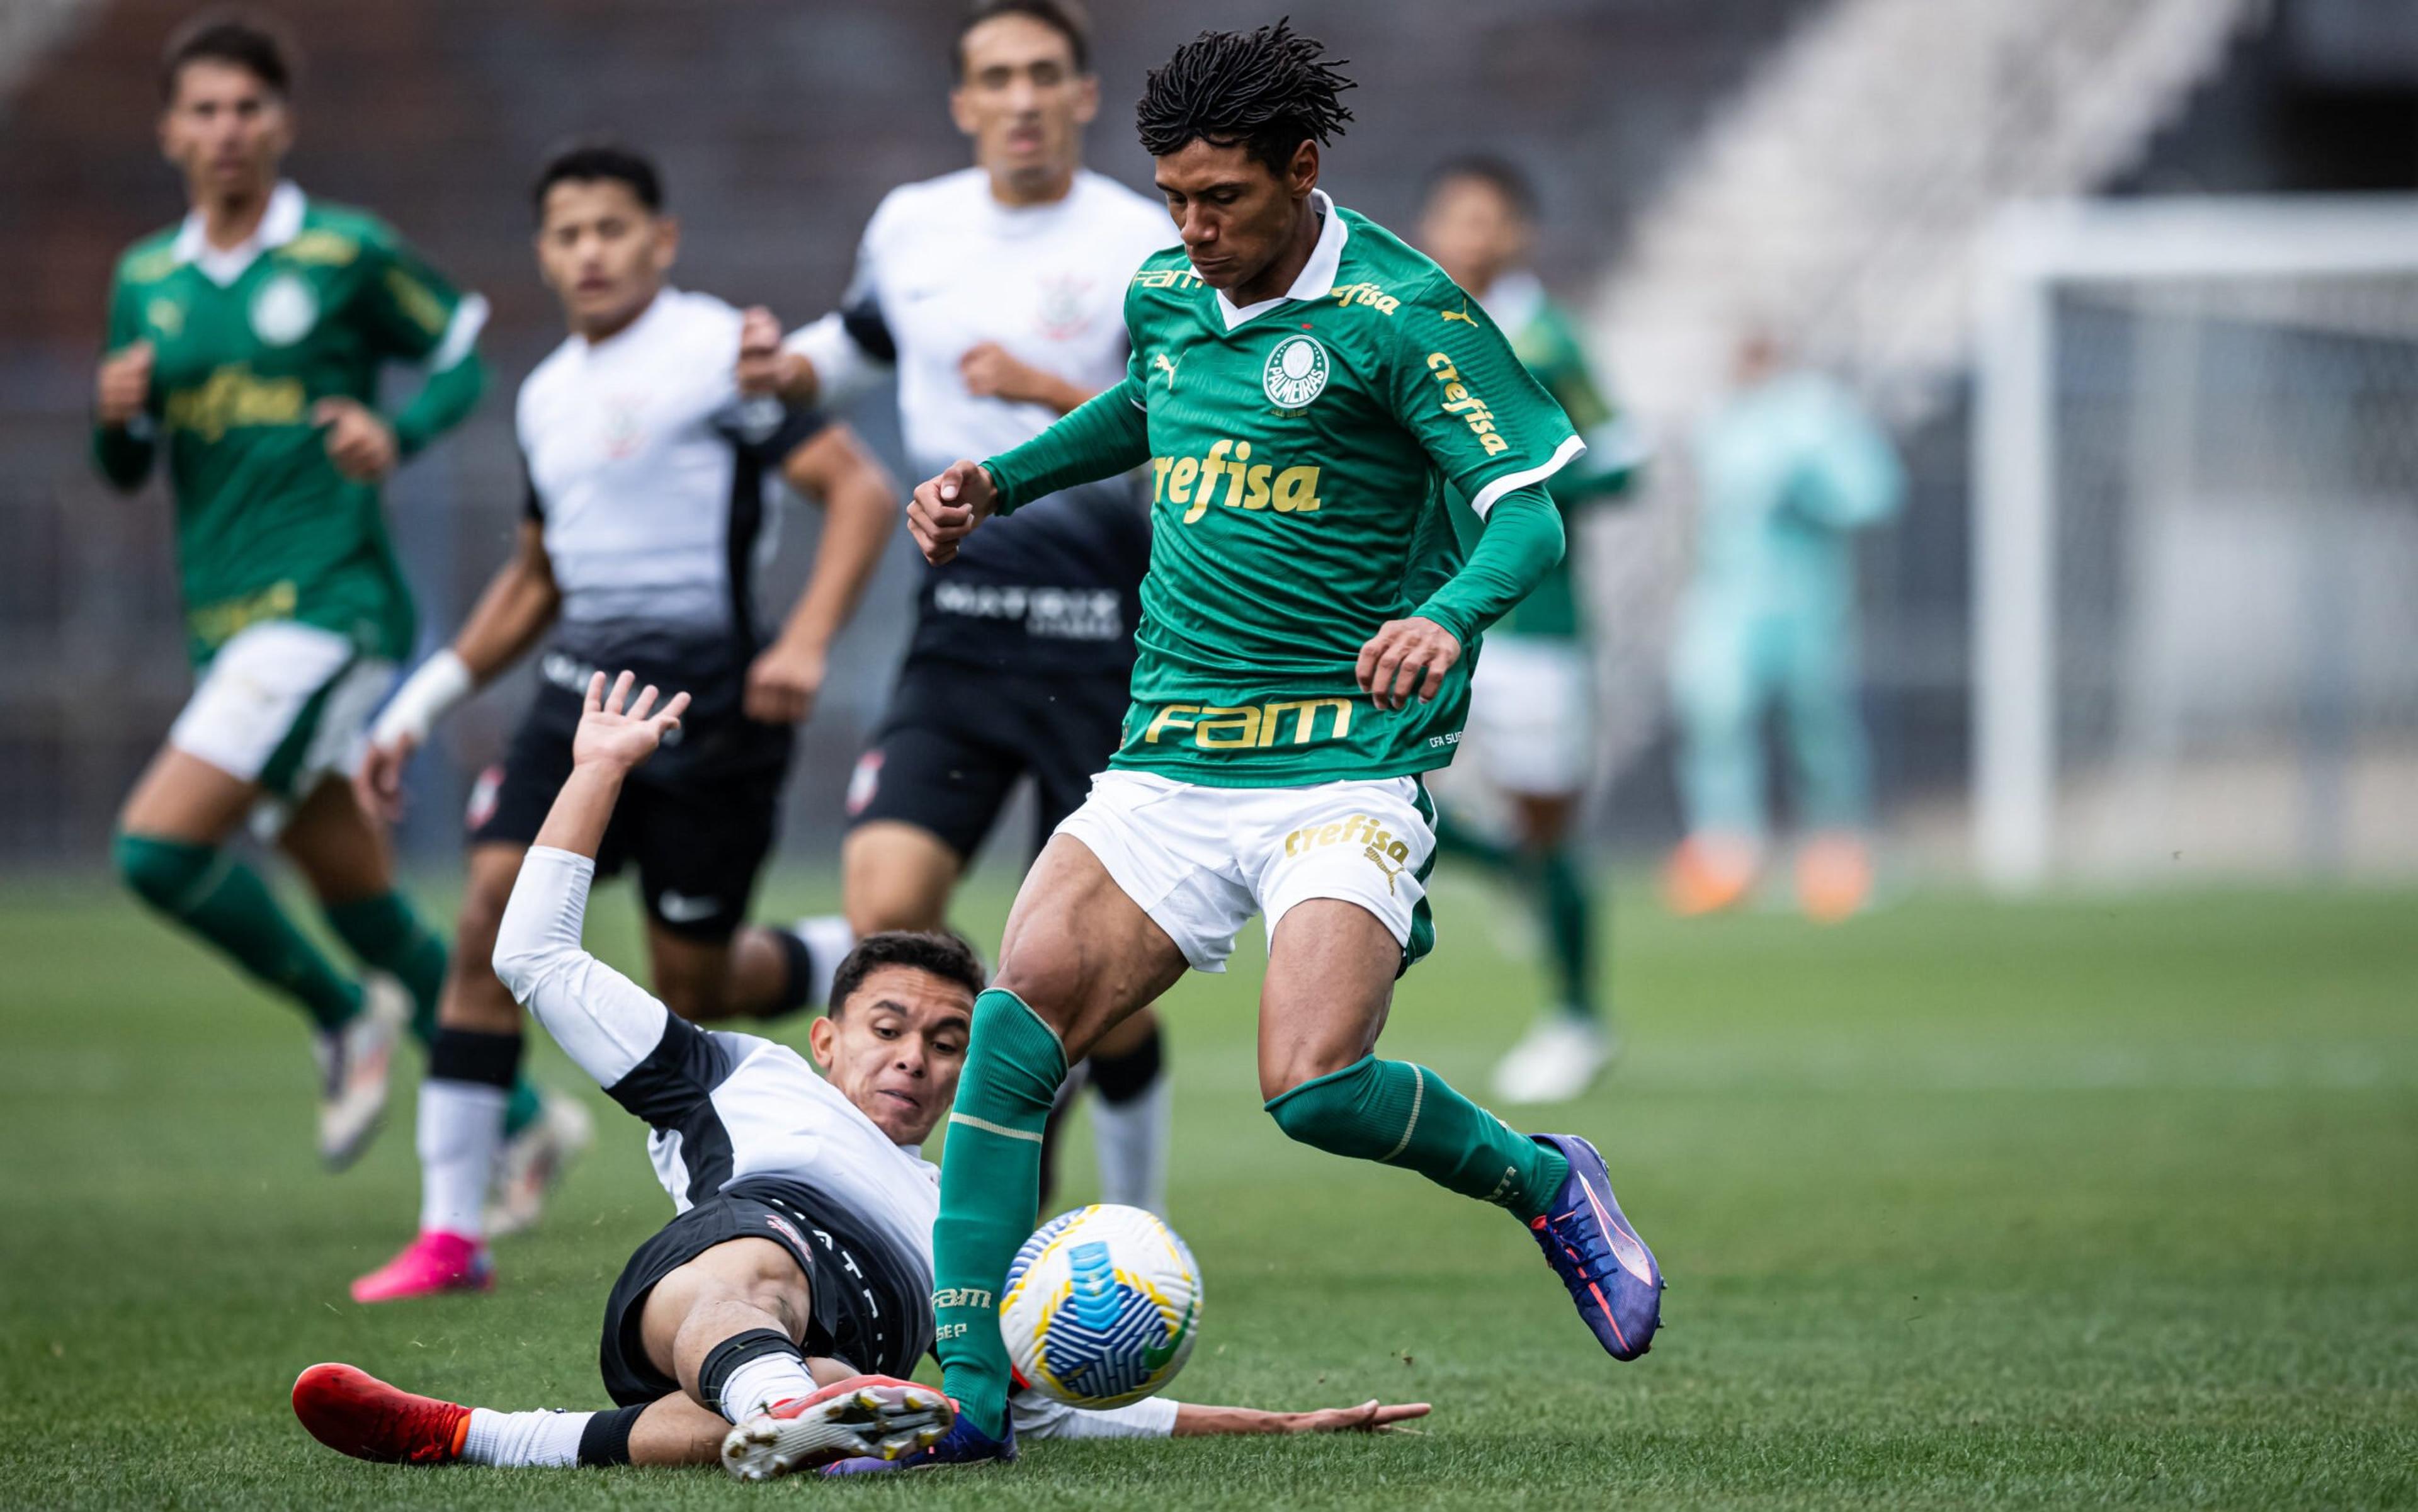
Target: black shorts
(871, 1305)
(956, 739)
(698, 831)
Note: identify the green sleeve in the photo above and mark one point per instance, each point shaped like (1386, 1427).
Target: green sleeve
(1458, 387)
(443, 401)
(1108, 435)
(1521, 543)
(416, 316)
(123, 452)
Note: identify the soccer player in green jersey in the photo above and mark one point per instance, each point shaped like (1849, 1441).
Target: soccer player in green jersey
(1303, 390)
(245, 343)
(1529, 725)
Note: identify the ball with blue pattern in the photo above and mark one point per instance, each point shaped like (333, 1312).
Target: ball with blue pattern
(1102, 1306)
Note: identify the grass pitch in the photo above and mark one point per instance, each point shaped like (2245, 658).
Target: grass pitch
(1964, 1204)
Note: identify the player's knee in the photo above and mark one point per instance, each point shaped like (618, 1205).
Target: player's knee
(165, 873)
(1330, 1111)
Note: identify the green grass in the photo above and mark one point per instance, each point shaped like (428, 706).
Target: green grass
(1967, 1204)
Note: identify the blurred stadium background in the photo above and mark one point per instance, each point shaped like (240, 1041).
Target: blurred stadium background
(2153, 607)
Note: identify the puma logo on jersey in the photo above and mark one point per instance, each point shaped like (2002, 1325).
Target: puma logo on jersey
(1460, 314)
(1459, 400)
(1159, 362)
(1194, 482)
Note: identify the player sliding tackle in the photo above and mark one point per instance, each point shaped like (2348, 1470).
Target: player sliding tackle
(801, 1255)
(1303, 387)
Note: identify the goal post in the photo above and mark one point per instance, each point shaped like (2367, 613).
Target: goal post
(2196, 546)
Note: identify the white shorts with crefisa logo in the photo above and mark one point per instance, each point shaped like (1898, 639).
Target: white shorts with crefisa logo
(1200, 861)
(284, 705)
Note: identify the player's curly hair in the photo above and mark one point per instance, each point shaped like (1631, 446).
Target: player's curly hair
(1267, 91)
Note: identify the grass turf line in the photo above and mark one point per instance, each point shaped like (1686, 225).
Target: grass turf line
(1965, 1204)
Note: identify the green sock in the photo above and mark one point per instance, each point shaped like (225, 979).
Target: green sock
(1569, 899)
(991, 1186)
(1400, 1114)
(221, 899)
(386, 933)
(1456, 838)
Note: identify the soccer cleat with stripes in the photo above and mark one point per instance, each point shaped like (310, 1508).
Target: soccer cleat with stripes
(875, 1417)
(354, 1413)
(1591, 1246)
(963, 1445)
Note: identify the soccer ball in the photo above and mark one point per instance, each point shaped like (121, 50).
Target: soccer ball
(1101, 1307)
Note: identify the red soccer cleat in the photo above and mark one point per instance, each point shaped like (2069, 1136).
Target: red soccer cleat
(354, 1413)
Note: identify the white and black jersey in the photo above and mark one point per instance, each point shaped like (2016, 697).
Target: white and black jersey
(750, 1142)
(944, 266)
(648, 471)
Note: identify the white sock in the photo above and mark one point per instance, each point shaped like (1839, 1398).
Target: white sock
(828, 942)
(762, 1381)
(461, 1132)
(538, 1437)
(1131, 1139)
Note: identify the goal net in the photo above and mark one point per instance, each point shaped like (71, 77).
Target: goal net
(2196, 550)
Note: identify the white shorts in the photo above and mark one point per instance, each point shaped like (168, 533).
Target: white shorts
(1200, 861)
(282, 705)
(1531, 725)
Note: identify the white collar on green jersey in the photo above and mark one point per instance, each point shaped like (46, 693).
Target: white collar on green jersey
(280, 223)
(1317, 278)
(1513, 300)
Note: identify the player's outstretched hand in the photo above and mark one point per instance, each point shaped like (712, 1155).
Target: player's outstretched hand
(1406, 656)
(124, 385)
(360, 443)
(378, 786)
(616, 733)
(946, 508)
(1371, 1416)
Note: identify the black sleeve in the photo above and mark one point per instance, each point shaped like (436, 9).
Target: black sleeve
(862, 319)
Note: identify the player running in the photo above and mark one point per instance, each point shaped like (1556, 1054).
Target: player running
(993, 293)
(647, 471)
(246, 342)
(770, 1324)
(1304, 386)
(1529, 698)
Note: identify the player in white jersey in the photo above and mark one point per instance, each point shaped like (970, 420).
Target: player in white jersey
(646, 504)
(995, 294)
(770, 1324)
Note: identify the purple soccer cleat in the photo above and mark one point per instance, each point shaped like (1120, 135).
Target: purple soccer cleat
(1611, 1273)
(963, 1445)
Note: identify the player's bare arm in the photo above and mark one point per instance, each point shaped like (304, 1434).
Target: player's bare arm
(515, 609)
(859, 510)
(765, 368)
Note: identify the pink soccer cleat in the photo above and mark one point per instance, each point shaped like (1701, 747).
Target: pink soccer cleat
(433, 1262)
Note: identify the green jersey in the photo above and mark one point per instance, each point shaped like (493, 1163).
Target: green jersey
(1300, 454)
(245, 343)
(1548, 347)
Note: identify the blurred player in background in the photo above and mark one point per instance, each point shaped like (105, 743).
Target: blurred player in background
(1790, 467)
(733, 1334)
(1303, 388)
(993, 294)
(246, 342)
(1530, 699)
(646, 508)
